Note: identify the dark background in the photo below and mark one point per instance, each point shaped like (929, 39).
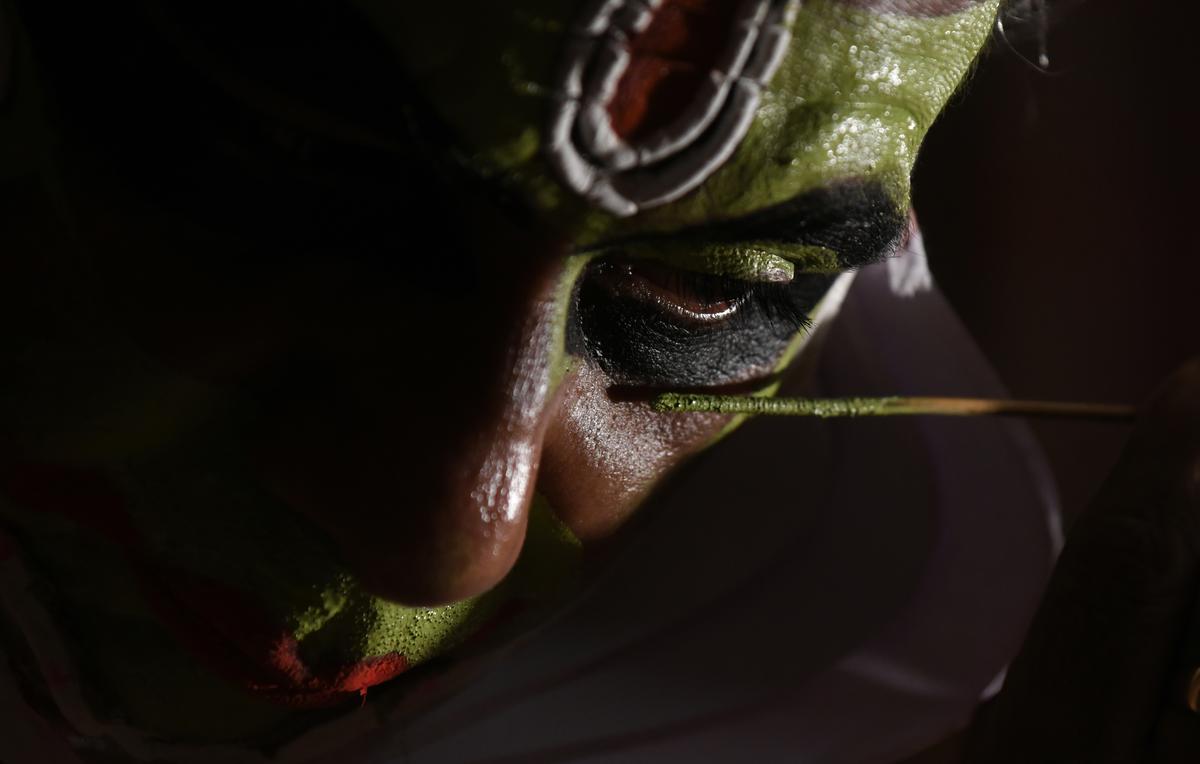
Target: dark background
(1059, 212)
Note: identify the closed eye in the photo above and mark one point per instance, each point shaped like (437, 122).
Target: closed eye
(689, 296)
(652, 325)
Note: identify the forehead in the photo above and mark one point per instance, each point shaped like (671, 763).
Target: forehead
(857, 86)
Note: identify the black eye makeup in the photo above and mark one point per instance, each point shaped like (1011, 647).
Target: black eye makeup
(647, 324)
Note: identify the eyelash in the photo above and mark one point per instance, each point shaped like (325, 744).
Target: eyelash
(289, 182)
(640, 339)
(771, 299)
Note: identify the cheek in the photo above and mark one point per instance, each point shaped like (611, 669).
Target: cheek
(603, 456)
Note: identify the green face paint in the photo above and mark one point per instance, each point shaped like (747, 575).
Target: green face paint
(853, 99)
(849, 103)
(751, 262)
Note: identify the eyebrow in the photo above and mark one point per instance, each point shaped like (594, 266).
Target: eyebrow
(856, 220)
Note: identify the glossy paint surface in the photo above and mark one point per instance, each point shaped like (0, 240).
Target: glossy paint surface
(356, 466)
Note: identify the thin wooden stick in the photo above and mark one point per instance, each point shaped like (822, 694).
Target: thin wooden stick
(888, 406)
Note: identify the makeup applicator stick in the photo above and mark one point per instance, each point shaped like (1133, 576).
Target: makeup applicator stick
(888, 406)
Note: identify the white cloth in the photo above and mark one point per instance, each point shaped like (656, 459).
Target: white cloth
(808, 592)
(838, 592)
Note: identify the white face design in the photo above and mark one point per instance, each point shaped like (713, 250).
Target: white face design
(591, 148)
(367, 403)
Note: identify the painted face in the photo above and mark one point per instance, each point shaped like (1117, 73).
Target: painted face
(332, 331)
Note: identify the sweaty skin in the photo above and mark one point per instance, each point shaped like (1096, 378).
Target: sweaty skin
(858, 90)
(315, 470)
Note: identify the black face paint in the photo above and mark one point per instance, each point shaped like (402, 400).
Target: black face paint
(652, 326)
(858, 221)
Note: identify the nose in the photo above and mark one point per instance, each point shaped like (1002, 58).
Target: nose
(409, 430)
(389, 381)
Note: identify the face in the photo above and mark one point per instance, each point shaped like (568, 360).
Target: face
(332, 336)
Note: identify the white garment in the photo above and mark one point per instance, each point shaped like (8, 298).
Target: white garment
(841, 591)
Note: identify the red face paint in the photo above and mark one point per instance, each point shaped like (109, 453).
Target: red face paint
(226, 628)
(668, 63)
(654, 97)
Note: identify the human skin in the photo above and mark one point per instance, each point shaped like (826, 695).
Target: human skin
(274, 413)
